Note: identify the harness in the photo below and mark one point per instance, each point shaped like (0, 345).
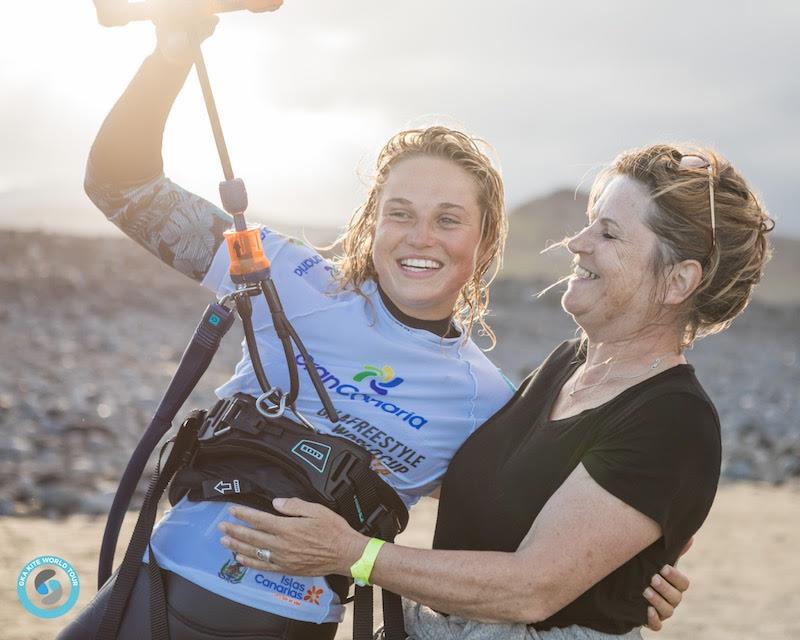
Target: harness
(241, 456)
(233, 453)
(246, 449)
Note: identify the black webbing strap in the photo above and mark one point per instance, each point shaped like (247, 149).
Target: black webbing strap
(362, 614)
(393, 625)
(365, 490)
(129, 569)
(357, 500)
(159, 621)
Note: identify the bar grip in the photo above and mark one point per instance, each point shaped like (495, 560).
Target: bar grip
(116, 13)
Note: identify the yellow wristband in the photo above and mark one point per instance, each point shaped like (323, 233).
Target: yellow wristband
(362, 568)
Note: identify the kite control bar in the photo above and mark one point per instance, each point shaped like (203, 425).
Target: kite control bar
(116, 13)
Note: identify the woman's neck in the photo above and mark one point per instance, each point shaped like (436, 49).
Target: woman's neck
(632, 352)
(611, 367)
(443, 328)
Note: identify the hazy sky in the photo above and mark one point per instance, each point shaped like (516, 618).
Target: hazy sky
(307, 95)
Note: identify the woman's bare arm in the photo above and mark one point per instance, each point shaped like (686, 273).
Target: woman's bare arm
(124, 174)
(581, 535)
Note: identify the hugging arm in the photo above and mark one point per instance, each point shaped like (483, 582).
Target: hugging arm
(581, 535)
(124, 174)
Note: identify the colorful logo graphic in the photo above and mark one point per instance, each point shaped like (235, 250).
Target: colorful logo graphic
(48, 586)
(232, 571)
(313, 594)
(377, 394)
(382, 379)
(313, 453)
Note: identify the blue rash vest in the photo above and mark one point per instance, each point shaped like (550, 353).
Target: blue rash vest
(406, 395)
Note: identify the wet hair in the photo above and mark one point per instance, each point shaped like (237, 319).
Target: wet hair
(732, 257)
(355, 267)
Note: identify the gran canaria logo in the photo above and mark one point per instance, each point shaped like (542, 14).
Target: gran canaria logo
(382, 379)
(48, 586)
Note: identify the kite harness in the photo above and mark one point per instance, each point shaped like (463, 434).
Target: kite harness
(244, 449)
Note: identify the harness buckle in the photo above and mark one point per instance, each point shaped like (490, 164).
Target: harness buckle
(222, 418)
(373, 520)
(274, 409)
(218, 432)
(228, 415)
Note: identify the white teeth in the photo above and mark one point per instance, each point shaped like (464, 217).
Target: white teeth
(584, 274)
(418, 263)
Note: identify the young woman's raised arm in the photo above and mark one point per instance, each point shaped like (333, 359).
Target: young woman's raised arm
(124, 173)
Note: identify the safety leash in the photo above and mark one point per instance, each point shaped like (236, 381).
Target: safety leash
(215, 323)
(181, 453)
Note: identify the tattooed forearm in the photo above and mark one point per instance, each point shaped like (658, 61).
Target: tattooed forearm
(180, 228)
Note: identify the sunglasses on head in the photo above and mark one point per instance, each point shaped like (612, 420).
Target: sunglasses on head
(692, 161)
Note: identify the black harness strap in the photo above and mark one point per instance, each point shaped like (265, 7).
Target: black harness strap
(362, 613)
(159, 621)
(181, 453)
(393, 624)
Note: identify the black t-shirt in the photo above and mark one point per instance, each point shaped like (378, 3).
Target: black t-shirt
(656, 446)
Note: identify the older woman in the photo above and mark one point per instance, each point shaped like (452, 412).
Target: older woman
(557, 510)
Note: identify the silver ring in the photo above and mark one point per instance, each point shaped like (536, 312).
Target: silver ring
(263, 554)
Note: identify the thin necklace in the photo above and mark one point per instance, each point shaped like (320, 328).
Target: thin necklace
(654, 365)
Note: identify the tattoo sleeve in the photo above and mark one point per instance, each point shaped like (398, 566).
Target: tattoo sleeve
(180, 228)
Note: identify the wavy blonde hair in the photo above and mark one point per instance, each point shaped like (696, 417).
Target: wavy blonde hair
(355, 266)
(733, 257)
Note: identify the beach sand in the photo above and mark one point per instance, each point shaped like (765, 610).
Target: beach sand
(744, 566)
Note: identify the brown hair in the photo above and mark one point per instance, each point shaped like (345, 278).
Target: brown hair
(355, 267)
(733, 257)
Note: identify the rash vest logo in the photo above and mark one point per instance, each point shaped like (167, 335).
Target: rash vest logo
(382, 379)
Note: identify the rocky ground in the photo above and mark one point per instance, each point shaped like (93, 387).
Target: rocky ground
(92, 329)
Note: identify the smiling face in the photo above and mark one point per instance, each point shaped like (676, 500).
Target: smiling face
(610, 294)
(427, 236)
